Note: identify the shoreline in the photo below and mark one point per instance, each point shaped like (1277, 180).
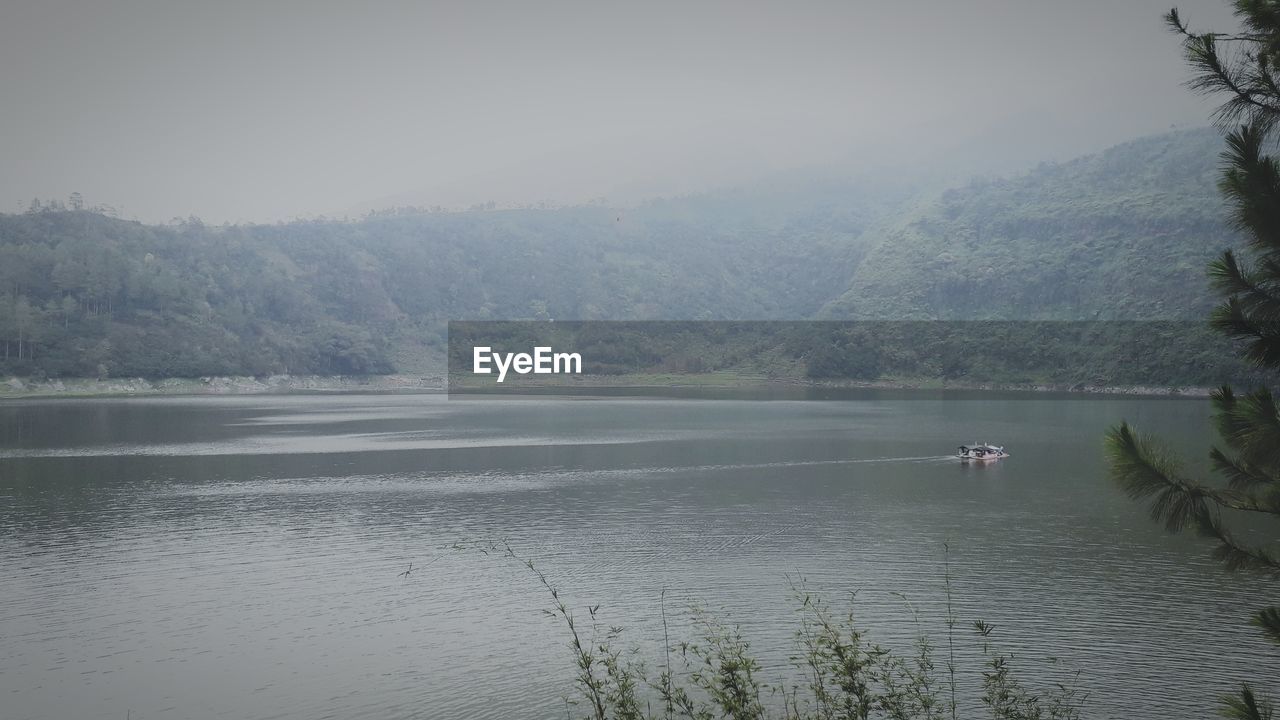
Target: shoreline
(18, 388)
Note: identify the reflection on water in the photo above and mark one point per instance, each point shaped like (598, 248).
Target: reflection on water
(239, 557)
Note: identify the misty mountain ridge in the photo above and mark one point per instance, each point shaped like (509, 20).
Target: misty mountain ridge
(1123, 234)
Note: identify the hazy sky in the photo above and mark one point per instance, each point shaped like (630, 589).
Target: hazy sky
(273, 109)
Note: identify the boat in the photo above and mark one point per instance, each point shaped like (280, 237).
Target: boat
(981, 452)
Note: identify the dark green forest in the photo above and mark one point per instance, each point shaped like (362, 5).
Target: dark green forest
(1125, 234)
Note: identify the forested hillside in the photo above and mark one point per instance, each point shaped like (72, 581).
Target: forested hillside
(88, 295)
(1124, 234)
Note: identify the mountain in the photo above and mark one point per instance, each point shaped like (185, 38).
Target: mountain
(1122, 234)
(86, 294)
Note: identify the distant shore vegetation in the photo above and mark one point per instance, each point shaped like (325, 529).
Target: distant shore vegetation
(1122, 235)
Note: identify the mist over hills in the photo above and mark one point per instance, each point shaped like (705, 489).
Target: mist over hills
(1124, 234)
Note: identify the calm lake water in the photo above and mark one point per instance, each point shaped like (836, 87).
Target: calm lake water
(238, 557)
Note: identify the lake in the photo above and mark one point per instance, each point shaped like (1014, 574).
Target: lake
(240, 557)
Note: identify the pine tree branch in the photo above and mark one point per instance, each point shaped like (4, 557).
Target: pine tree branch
(1146, 472)
(1245, 87)
(1175, 22)
(1245, 706)
(1234, 556)
(1251, 426)
(1143, 470)
(1240, 474)
(1262, 339)
(1251, 183)
(1254, 290)
(1214, 76)
(1268, 619)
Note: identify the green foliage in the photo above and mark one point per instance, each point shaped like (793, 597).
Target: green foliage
(84, 294)
(1124, 234)
(81, 292)
(1246, 706)
(1249, 424)
(838, 673)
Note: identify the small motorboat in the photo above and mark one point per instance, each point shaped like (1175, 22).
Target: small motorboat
(981, 452)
